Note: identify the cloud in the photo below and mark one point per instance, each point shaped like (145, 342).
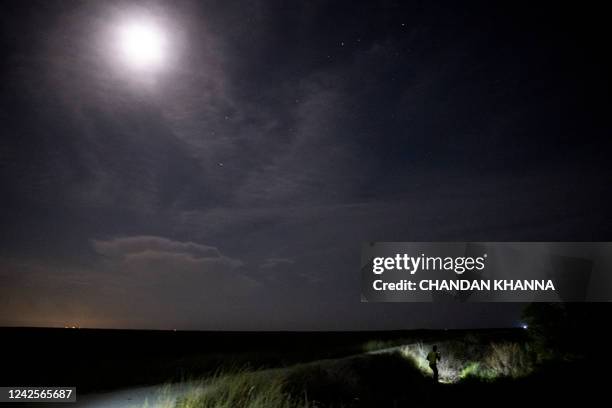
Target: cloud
(148, 246)
(186, 269)
(274, 262)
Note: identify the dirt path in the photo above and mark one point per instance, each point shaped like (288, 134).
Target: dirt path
(155, 396)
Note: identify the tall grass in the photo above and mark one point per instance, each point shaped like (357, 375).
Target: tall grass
(373, 379)
(244, 389)
(468, 359)
(509, 360)
(357, 381)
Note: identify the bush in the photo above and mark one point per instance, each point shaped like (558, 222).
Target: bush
(508, 360)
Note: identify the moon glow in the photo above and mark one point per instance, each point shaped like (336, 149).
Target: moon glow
(142, 45)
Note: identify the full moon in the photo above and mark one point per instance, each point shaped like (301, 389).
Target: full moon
(142, 45)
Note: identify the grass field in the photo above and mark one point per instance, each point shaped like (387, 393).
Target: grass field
(474, 370)
(505, 367)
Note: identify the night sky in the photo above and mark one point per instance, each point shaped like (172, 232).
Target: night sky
(230, 183)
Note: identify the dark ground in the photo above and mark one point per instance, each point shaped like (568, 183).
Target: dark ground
(94, 360)
(106, 359)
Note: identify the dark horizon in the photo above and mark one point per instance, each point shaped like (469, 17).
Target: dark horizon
(237, 332)
(196, 165)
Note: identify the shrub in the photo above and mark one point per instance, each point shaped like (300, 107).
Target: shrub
(509, 360)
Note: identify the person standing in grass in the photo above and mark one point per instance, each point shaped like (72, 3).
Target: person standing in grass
(433, 357)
